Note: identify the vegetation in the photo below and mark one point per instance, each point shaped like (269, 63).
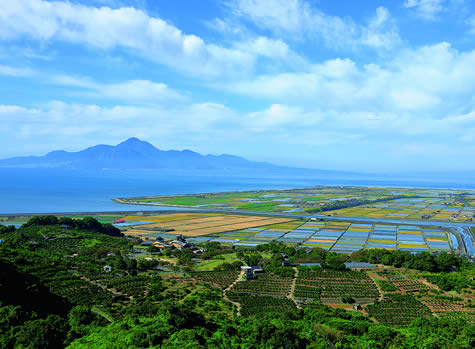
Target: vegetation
(55, 293)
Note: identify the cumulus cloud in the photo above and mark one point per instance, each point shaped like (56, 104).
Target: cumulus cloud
(170, 127)
(430, 81)
(125, 28)
(298, 19)
(426, 9)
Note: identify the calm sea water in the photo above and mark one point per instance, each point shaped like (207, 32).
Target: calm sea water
(48, 190)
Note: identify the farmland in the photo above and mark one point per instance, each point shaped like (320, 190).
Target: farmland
(197, 225)
(398, 310)
(57, 267)
(252, 231)
(333, 286)
(400, 203)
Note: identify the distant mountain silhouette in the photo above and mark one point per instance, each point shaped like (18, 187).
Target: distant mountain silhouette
(135, 154)
(132, 154)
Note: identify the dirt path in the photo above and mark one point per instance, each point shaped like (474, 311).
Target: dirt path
(111, 290)
(375, 277)
(225, 293)
(292, 288)
(100, 313)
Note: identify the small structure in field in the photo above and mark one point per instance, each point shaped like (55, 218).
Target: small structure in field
(107, 268)
(179, 244)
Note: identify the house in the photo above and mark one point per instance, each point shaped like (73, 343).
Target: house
(248, 272)
(357, 306)
(159, 244)
(179, 244)
(257, 269)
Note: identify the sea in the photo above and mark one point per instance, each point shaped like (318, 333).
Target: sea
(60, 191)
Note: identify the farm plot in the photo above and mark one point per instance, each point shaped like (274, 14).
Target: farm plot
(194, 226)
(69, 286)
(254, 305)
(397, 310)
(445, 305)
(404, 283)
(331, 286)
(265, 284)
(219, 279)
(132, 286)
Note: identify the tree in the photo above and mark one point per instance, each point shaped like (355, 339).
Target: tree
(42, 333)
(335, 262)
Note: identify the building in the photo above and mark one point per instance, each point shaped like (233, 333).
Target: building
(179, 244)
(286, 263)
(107, 268)
(248, 272)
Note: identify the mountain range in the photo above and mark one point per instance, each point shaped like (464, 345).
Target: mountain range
(135, 154)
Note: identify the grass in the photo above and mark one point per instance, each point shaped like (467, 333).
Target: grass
(210, 265)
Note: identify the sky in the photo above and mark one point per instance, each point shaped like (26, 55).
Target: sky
(368, 86)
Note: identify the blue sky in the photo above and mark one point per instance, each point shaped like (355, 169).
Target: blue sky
(356, 85)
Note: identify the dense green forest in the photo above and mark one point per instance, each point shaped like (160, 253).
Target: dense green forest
(56, 293)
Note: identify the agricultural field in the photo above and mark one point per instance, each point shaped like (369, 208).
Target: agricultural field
(191, 225)
(251, 231)
(112, 280)
(219, 279)
(397, 310)
(440, 208)
(404, 283)
(400, 203)
(340, 237)
(255, 304)
(332, 286)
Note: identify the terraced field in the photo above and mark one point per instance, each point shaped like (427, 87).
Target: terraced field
(397, 310)
(332, 286)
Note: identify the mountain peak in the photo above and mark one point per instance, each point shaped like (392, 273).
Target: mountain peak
(132, 140)
(133, 153)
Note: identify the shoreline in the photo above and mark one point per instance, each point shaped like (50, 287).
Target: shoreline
(284, 190)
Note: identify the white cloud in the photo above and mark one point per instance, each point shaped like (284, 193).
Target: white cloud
(123, 28)
(137, 91)
(298, 19)
(15, 72)
(431, 82)
(211, 127)
(426, 9)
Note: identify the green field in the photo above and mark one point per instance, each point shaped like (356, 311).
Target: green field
(396, 203)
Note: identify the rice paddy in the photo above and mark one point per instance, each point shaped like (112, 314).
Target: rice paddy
(396, 203)
(251, 231)
(341, 237)
(195, 225)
